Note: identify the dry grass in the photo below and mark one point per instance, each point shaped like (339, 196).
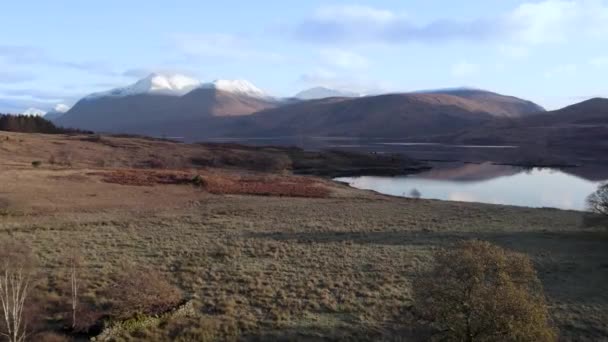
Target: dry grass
(264, 268)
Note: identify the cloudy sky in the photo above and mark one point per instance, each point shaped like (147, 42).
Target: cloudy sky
(554, 52)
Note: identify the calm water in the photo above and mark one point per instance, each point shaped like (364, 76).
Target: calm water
(487, 183)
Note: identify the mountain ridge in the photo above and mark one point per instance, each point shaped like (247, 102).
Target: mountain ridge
(158, 105)
(317, 93)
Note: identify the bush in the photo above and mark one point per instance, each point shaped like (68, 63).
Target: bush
(36, 163)
(481, 292)
(199, 181)
(141, 292)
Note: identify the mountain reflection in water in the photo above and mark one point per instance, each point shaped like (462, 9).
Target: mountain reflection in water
(487, 183)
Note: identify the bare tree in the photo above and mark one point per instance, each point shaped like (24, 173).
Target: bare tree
(15, 282)
(597, 202)
(74, 265)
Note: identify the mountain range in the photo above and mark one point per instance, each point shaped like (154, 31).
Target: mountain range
(176, 105)
(582, 126)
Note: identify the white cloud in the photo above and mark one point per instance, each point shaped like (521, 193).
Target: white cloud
(220, 45)
(529, 24)
(364, 24)
(15, 77)
(30, 55)
(343, 59)
(357, 13)
(599, 62)
(330, 79)
(514, 50)
(464, 69)
(542, 22)
(562, 70)
(35, 95)
(557, 21)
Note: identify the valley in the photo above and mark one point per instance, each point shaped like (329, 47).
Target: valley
(262, 255)
(307, 171)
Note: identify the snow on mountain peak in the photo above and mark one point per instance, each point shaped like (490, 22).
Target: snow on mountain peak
(178, 85)
(241, 87)
(156, 83)
(34, 112)
(61, 108)
(171, 83)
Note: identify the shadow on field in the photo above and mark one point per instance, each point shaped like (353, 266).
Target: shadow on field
(4, 204)
(572, 265)
(310, 333)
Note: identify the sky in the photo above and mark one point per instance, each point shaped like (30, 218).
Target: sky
(553, 52)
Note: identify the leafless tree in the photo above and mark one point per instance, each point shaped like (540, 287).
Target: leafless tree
(74, 264)
(597, 202)
(15, 283)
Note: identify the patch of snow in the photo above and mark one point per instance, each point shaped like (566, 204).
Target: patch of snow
(61, 108)
(162, 84)
(241, 87)
(34, 112)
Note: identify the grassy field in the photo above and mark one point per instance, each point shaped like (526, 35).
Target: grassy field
(337, 266)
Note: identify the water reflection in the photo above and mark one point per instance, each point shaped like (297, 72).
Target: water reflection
(487, 183)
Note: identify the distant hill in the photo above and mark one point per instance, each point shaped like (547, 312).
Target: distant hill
(582, 126)
(496, 104)
(386, 116)
(395, 115)
(317, 93)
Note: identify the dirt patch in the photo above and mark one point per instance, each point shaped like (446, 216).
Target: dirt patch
(222, 183)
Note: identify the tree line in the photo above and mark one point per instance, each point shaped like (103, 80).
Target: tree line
(32, 124)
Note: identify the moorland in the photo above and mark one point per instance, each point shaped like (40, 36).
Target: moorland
(244, 248)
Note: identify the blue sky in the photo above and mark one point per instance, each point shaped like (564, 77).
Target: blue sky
(554, 52)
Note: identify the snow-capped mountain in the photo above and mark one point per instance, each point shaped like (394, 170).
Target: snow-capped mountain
(322, 93)
(239, 87)
(34, 112)
(177, 98)
(58, 111)
(163, 84)
(61, 108)
(179, 85)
